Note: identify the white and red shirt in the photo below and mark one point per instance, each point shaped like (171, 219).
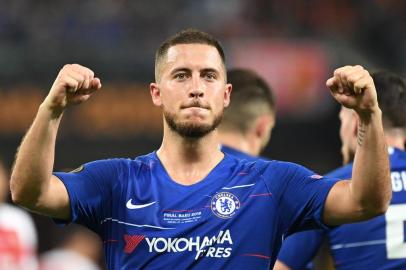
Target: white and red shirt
(18, 239)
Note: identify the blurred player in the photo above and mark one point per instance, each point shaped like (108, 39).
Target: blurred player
(80, 250)
(18, 237)
(249, 119)
(380, 242)
(189, 205)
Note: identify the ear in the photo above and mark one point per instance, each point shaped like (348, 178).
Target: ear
(227, 94)
(155, 94)
(263, 127)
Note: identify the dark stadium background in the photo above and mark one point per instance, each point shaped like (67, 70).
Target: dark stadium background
(294, 44)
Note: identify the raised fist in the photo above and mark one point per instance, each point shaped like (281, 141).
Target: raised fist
(353, 87)
(73, 85)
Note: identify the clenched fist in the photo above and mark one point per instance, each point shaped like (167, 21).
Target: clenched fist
(73, 85)
(353, 87)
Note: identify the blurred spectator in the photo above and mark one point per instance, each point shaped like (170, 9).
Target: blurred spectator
(18, 244)
(119, 36)
(81, 250)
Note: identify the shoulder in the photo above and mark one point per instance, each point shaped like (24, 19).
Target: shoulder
(118, 163)
(283, 167)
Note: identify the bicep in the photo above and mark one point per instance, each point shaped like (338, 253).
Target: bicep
(55, 200)
(340, 206)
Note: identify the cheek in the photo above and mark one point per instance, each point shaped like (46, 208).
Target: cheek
(169, 96)
(221, 96)
(220, 102)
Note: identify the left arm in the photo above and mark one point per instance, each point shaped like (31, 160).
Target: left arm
(369, 192)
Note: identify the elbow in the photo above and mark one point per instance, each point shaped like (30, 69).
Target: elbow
(384, 203)
(377, 208)
(16, 194)
(19, 195)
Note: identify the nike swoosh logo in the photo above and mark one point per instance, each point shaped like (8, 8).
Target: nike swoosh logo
(137, 206)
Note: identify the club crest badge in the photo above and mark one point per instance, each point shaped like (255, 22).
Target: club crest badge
(224, 204)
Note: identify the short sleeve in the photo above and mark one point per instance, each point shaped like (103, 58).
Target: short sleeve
(301, 195)
(299, 249)
(90, 190)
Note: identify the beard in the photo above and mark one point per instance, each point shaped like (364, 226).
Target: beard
(191, 130)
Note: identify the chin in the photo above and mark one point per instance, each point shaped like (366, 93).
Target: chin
(192, 127)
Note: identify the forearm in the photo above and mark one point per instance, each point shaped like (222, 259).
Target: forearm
(370, 185)
(35, 159)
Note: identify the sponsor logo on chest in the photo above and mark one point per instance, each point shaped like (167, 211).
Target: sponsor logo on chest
(217, 246)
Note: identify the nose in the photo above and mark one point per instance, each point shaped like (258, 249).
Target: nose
(196, 90)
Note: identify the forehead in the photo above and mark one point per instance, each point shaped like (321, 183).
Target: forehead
(200, 56)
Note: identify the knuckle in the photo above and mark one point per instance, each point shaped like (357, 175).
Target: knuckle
(353, 78)
(91, 73)
(74, 84)
(337, 72)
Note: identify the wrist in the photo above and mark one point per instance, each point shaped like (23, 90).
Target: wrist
(367, 116)
(52, 111)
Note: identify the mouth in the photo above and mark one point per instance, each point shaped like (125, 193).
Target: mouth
(195, 110)
(195, 106)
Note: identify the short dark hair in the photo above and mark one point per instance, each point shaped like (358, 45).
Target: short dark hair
(188, 36)
(250, 98)
(391, 92)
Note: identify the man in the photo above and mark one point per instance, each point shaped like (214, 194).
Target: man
(188, 205)
(248, 120)
(18, 244)
(377, 243)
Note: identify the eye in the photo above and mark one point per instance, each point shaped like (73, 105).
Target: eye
(180, 76)
(210, 76)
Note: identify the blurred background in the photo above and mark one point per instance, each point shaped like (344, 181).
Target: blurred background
(295, 45)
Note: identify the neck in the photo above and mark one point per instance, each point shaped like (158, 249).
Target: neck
(238, 141)
(395, 137)
(189, 160)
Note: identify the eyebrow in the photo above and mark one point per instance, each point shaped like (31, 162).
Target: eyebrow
(204, 70)
(176, 70)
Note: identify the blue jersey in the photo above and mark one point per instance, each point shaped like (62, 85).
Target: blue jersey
(299, 249)
(297, 264)
(232, 219)
(378, 243)
(237, 153)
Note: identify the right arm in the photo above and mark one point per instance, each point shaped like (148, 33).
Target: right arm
(32, 184)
